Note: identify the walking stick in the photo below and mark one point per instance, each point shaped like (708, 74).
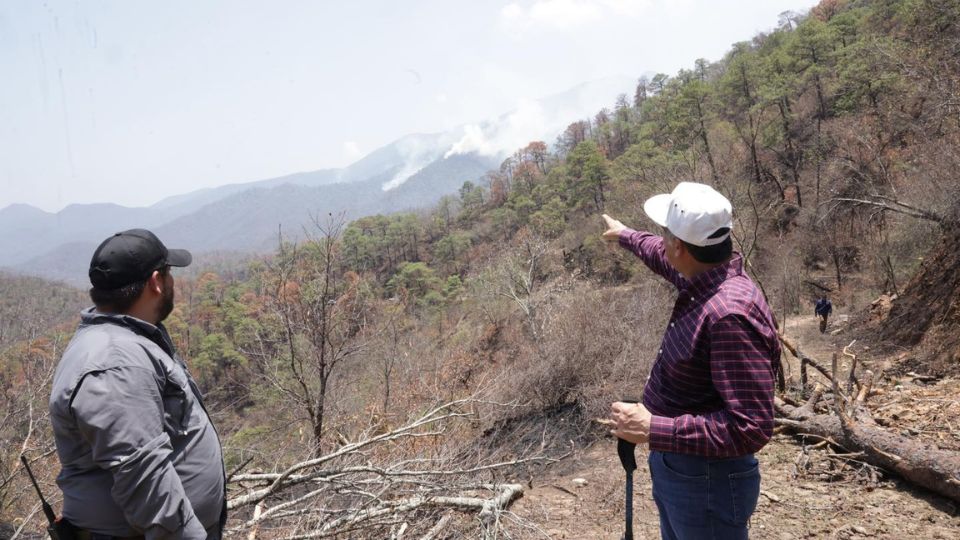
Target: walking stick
(625, 450)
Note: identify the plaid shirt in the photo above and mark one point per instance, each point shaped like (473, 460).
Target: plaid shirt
(711, 388)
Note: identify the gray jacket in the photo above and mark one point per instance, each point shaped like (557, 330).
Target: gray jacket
(138, 451)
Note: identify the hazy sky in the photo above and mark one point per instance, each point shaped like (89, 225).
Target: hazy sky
(132, 101)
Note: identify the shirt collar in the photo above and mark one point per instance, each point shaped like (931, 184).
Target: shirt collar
(711, 279)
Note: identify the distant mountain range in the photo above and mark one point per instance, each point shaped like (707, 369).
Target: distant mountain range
(411, 172)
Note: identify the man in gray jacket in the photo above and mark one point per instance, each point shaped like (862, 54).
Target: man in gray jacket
(139, 454)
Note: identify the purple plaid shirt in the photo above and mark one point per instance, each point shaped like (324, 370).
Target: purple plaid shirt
(711, 387)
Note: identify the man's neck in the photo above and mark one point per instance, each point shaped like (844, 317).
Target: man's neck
(135, 311)
(696, 268)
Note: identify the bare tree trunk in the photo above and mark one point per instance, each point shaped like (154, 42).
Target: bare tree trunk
(791, 155)
(816, 208)
(835, 254)
(706, 145)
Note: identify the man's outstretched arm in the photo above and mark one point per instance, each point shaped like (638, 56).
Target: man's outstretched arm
(647, 246)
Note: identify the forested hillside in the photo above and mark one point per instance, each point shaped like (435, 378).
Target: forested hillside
(29, 307)
(837, 138)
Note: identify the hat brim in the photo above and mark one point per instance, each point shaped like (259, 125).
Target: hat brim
(179, 257)
(657, 207)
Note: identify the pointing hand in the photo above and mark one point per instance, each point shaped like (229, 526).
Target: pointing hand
(612, 234)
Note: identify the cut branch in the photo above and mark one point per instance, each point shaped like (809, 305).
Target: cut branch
(438, 414)
(893, 205)
(506, 494)
(350, 491)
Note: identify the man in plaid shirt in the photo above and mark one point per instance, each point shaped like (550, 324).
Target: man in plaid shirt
(708, 403)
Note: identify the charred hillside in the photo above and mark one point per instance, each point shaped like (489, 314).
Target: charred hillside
(469, 344)
(927, 313)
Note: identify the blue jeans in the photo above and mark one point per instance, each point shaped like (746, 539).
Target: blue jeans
(704, 498)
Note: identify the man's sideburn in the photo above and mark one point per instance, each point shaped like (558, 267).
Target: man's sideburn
(166, 301)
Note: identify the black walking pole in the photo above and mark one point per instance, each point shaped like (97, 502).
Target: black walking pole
(625, 450)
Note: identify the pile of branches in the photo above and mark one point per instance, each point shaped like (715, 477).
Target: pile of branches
(363, 488)
(838, 416)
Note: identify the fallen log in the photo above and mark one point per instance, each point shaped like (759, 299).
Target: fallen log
(918, 463)
(849, 425)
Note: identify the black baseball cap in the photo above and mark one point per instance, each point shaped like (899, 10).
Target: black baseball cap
(131, 256)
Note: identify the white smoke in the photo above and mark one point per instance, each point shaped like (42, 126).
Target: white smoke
(352, 150)
(538, 120)
(416, 153)
(532, 120)
(411, 167)
(527, 123)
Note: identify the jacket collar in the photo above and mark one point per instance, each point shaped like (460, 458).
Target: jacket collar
(156, 333)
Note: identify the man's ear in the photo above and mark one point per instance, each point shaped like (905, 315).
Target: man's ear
(681, 247)
(676, 245)
(680, 250)
(155, 283)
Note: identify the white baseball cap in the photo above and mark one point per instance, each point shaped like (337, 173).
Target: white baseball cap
(693, 213)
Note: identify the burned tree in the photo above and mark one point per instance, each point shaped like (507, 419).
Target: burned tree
(319, 315)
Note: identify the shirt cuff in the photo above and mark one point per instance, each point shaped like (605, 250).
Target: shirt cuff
(624, 237)
(661, 433)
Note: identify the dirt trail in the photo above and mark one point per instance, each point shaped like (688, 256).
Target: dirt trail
(811, 504)
(804, 331)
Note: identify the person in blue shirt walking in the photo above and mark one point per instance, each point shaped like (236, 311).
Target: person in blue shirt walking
(822, 310)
